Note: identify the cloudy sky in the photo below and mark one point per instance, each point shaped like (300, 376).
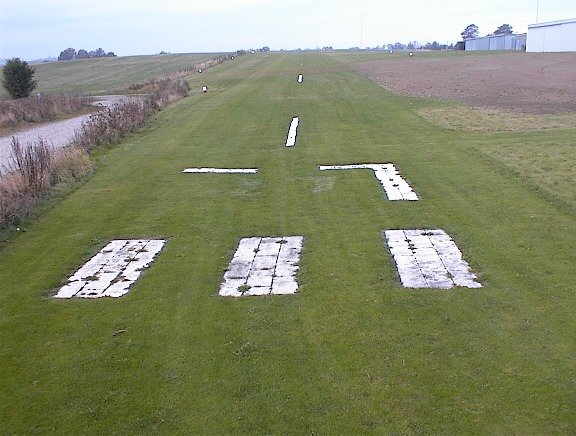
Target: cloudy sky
(32, 29)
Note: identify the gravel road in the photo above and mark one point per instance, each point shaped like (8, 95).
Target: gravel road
(56, 134)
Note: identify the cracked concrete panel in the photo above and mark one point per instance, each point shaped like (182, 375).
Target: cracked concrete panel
(395, 187)
(221, 170)
(411, 276)
(260, 278)
(112, 271)
(292, 132)
(264, 262)
(263, 266)
(284, 286)
(429, 258)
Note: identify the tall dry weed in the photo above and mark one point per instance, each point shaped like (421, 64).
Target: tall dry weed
(34, 163)
(39, 108)
(110, 125)
(38, 169)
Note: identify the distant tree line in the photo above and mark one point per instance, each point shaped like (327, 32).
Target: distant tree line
(412, 45)
(471, 31)
(71, 54)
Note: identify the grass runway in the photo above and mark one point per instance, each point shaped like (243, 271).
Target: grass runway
(353, 351)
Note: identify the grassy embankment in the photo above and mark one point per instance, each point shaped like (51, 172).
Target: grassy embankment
(111, 75)
(353, 351)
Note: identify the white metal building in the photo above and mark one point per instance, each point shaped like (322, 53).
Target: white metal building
(552, 36)
(496, 42)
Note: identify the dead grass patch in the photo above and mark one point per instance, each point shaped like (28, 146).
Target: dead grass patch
(474, 119)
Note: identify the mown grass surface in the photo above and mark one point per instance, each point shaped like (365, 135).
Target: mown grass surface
(110, 75)
(353, 351)
(495, 120)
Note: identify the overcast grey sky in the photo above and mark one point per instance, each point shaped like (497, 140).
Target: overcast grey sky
(32, 29)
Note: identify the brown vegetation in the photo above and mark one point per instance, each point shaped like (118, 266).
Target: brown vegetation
(39, 169)
(108, 126)
(39, 109)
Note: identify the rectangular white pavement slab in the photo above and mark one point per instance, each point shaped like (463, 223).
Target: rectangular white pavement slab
(292, 132)
(429, 259)
(263, 266)
(394, 185)
(222, 170)
(113, 270)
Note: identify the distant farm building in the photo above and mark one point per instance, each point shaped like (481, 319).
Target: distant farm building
(497, 42)
(552, 36)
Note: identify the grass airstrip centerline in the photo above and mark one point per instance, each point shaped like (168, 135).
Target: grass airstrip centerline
(292, 132)
(263, 266)
(112, 271)
(429, 259)
(394, 185)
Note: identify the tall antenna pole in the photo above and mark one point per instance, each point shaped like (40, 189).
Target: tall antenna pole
(537, 9)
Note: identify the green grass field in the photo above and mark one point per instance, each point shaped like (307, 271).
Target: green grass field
(110, 75)
(353, 351)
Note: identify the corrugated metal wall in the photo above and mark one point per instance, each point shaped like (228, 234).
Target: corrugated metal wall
(497, 42)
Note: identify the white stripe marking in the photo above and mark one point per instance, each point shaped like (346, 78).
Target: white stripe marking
(111, 272)
(292, 132)
(222, 170)
(429, 259)
(394, 185)
(263, 266)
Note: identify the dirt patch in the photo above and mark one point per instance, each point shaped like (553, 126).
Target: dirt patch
(538, 83)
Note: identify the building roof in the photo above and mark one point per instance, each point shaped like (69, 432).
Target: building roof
(552, 23)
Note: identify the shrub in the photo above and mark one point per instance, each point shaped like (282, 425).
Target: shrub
(17, 78)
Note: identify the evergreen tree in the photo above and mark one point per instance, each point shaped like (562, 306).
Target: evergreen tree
(17, 78)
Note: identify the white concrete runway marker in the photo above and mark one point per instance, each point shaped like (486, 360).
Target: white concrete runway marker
(300, 78)
(394, 185)
(429, 259)
(113, 270)
(222, 170)
(292, 132)
(263, 266)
